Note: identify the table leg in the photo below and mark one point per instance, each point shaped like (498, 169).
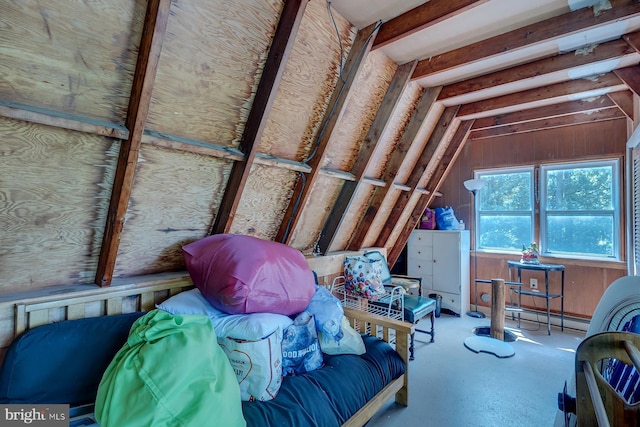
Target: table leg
(562, 303)
(546, 287)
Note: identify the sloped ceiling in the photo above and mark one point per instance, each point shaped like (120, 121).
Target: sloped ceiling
(130, 129)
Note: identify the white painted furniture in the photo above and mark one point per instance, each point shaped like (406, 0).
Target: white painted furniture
(441, 258)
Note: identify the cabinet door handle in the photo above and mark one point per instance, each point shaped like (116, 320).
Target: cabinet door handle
(434, 261)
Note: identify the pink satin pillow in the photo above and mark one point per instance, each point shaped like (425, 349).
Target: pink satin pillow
(242, 274)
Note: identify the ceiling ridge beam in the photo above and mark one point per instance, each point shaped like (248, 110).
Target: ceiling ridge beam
(368, 148)
(335, 109)
(550, 29)
(446, 119)
(421, 17)
(417, 119)
(283, 40)
(153, 33)
(615, 49)
(531, 98)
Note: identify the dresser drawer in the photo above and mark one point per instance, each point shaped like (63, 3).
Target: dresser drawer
(422, 266)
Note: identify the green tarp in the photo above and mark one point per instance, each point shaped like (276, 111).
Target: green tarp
(171, 372)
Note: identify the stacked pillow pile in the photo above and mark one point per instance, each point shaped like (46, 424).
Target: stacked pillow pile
(268, 314)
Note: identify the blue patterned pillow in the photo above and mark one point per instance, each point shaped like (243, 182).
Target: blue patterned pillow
(363, 277)
(622, 377)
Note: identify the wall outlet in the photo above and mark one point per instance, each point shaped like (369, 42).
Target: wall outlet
(533, 283)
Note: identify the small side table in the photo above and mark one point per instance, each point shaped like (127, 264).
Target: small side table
(546, 295)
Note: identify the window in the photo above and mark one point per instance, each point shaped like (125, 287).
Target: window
(504, 209)
(578, 210)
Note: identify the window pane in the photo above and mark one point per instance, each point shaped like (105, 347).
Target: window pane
(506, 192)
(504, 232)
(584, 235)
(580, 189)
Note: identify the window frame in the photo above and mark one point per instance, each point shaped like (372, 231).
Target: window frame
(477, 203)
(539, 212)
(615, 211)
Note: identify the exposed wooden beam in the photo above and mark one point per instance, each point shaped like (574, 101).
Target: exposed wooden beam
(549, 29)
(367, 152)
(418, 116)
(153, 32)
(335, 109)
(449, 157)
(624, 101)
(534, 70)
(451, 153)
(281, 45)
(550, 123)
(555, 110)
(559, 92)
(633, 39)
(421, 17)
(417, 174)
(631, 77)
(453, 149)
(43, 116)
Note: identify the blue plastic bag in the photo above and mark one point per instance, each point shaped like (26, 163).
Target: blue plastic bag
(446, 219)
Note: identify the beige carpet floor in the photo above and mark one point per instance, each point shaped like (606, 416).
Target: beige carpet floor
(453, 386)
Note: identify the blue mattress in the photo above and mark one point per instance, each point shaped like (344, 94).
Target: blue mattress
(63, 363)
(331, 395)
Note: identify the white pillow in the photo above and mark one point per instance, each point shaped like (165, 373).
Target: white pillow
(254, 326)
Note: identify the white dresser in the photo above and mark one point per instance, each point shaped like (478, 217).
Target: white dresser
(441, 258)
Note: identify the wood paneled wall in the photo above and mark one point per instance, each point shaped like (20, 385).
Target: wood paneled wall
(584, 281)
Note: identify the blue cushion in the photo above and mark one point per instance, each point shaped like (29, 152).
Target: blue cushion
(622, 377)
(415, 307)
(62, 362)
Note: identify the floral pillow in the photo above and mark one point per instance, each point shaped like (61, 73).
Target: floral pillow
(363, 277)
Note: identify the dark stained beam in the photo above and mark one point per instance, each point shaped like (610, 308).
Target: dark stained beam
(419, 115)
(281, 45)
(549, 29)
(444, 166)
(335, 109)
(350, 189)
(633, 39)
(451, 153)
(631, 77)
(153, 32)
(539, 96)
(434, 141)
(624, 101)
(555, 110)
(421, 17)
(550, 123)
(605, 51)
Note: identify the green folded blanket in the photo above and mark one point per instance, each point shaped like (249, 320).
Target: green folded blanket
(170, 372)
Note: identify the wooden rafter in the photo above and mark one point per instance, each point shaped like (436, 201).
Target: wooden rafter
(451, 151)
(633, 39)
(417, 174)
(548, 111)
(448, 158)
(624, 101)
(367, 151)
(153, 33)
(281, 45)
(420, 113)
(421, 17)
(614, 49)
(337, 104)
(542, 96)
(528, 35)
(631, 77)
(550, 123)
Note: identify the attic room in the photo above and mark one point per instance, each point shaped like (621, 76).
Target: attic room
(132, 129)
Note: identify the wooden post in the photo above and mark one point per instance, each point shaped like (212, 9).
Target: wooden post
(497, 309)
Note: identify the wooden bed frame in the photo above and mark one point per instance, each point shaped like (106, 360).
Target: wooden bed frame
(144, 297)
